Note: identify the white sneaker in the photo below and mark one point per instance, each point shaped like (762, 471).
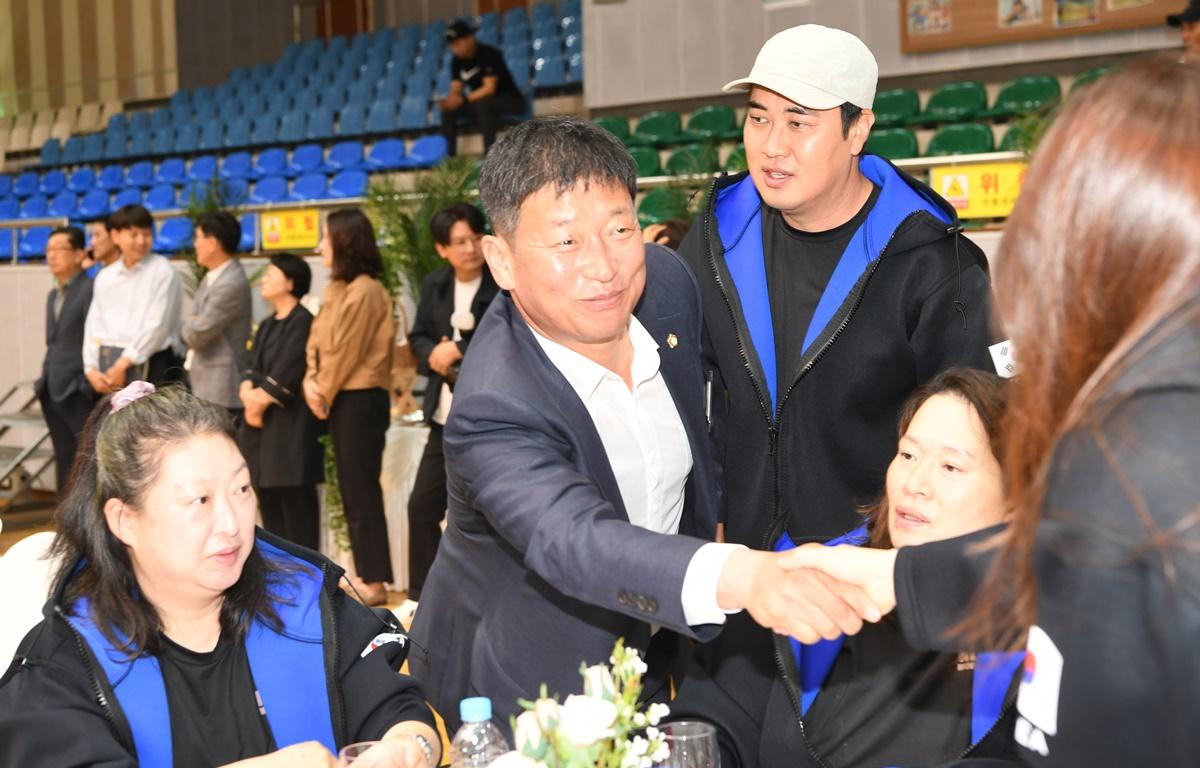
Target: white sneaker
(406, 612)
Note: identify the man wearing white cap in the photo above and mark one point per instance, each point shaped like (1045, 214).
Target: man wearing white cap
(833, 285)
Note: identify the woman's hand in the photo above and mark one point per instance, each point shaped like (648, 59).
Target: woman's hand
(315, 399)
(872, 570)
(309, 754)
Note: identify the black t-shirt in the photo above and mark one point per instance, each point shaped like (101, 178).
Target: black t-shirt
(215, 718)
(887, 704)
(799, 265)
(486, 62)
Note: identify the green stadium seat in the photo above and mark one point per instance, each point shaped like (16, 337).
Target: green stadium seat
(715, 122)
(961, 139)
(1018, 138)
(894, 107)
(953, 103)
(661, 204)
(647, 161)
(693, 158)
(1024, 95)
(1090, 76)
(661, 128)
(892, 143)
(617, 126)
(736, 162)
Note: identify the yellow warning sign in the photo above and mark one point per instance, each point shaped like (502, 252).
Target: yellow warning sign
(980, 190)
(293, 229)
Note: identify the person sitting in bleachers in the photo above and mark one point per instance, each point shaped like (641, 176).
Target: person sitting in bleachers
(481, 87)
(132, 329)
(178, 634)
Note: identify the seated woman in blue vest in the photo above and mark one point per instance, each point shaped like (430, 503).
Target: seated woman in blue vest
(870, 700)
(179, 635)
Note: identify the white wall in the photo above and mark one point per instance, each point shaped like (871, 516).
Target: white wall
(638, 51)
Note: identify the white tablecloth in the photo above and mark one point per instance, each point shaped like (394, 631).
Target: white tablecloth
(401, 457)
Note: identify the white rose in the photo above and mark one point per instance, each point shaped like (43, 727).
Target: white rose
(656, 713)
(463, 321)
(585, 720)
(516, 760)
(527, 736)
(598, 682)
(548, 711)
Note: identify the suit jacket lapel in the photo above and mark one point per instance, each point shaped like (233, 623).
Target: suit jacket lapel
(51, 321)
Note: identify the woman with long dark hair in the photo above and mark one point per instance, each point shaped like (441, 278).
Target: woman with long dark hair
(1098, 281)
(178, 634)
(350, 352)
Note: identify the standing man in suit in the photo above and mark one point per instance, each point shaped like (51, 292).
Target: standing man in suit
(62, 389)
(578, 449)
(219, 326)
(453, 300)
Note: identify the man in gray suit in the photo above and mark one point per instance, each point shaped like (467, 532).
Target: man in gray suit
(219, 326)
(63, 390)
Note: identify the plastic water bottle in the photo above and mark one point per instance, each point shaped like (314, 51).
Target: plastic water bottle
(478, 742)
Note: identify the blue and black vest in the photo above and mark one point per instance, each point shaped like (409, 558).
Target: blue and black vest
(288, 668)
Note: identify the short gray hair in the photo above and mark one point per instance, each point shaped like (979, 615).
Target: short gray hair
(562, 151)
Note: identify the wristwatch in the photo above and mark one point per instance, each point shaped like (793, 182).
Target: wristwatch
(426, 747)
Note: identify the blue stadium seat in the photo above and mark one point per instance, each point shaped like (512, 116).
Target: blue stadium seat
(346, 156)
(441, 87)
(279, 103)
(234, 191)
(310, 186)
(382, 118)
(116, 123)
(63, 204)
(513, 37)
(140, 174)
(127, 196)
(266, 129)
(202, 95)
(249, 224)
(82, 180)
(291, 128)
(549, 71)
(238, 165)
(161, 198)
(239, 75)
(194, 193)
(52, 183)
(223, 93)
(202, 169)
(426, 151)
(519, 68)
(205, 113)
(6, 244)
(6, 185)
(360, 92)
(93, 204)
(10, 208)
(139, 144)
(111, 178)
(414, 114)
(93, 148)
(272, 189)
(160, 119)
(173, 235)
(260, 72)
(352, 120)
(181, 98)
(229, 110)
(488, 36)
(386, 155)
(544, 28)
(187, 139)
(171, 171)
(245, 93)
(348, 184)
(271, 162)
(237, 132)
(515, 17)
(307, 158)
(212, 136)
(139, 121)
(319, 125)
(573, 43)
(26, 184)
(575, 69)
(34, 207)
(33, 243)
(51, 152)
(543, 11)
(116, 145)
(570, 25)
(163, 142)
(72, 152)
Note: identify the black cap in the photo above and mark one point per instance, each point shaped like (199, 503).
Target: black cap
(1191, 13)
(458, 28)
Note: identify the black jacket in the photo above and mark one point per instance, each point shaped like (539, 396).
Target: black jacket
(285, 451)
(57, 709)
(1122, 610)
(62, 368)
(433, 322)
(921, 304)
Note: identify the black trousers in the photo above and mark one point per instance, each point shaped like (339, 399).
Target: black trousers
(65, 420)
(293, 512)
(426, 507)
(486, 112)
(358, 422)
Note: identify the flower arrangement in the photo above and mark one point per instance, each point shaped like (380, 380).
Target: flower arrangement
(602, 728)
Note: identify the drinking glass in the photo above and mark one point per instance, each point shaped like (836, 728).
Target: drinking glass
(693, 744)
(352, 752)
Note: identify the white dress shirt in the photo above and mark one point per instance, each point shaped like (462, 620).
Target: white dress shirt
(134, 308)
(648, 450)
(464, 294)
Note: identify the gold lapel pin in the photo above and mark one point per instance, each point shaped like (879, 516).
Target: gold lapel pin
(672, 340)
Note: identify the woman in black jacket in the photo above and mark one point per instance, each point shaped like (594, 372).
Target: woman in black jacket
(1098, 577)
(279, 434)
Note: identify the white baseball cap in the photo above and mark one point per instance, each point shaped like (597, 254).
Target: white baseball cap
(816, 67)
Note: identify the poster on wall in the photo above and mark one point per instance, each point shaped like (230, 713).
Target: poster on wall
(1120, 5)
(928, 17)
(1076, 13)
(1018, 13)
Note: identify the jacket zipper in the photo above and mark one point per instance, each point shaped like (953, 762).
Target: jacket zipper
(332, 659)
(1008, 706)
(97, 686)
